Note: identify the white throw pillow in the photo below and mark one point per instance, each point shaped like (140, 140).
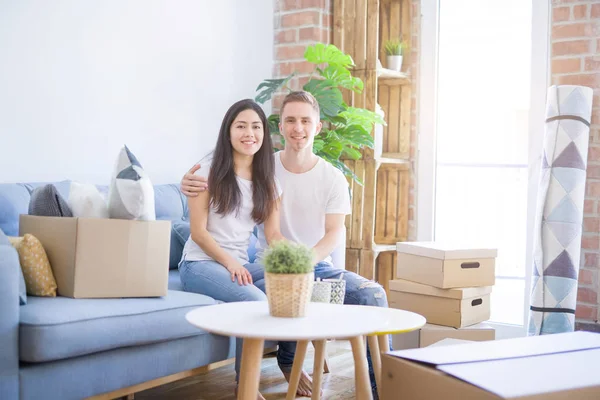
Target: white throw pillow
(85, 200)
(131, 194)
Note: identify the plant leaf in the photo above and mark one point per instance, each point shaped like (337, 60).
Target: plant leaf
(327, 54)
(329, 97)
(342, 77)
(270, 86)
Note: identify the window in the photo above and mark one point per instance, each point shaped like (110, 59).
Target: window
(475, 166)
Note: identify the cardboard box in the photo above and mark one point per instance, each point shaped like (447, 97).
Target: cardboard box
(446, 266)
(431, 334)
(449, 342)
(457, 307)
(98, 258)
(549, 367)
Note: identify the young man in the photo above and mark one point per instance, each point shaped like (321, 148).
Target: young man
(315, 201)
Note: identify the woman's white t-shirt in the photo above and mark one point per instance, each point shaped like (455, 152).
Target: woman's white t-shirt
(232, 231)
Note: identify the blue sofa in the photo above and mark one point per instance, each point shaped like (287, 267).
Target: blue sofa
(63, 348)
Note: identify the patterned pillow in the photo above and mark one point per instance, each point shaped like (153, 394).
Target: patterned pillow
(131, 194)
(39, 279)
(47, 202)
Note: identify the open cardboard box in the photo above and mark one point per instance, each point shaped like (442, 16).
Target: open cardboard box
(103, 258)
(550, 367)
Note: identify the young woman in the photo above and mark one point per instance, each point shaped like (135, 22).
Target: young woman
(242, 193)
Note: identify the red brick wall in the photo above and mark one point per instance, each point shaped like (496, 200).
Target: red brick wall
(298, 23)
(575, 60)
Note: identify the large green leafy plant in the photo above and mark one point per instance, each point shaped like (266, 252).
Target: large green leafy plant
(346, 130)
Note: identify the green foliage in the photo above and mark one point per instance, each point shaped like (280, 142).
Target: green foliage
(346, 130)
(286, 257)
(394, 47)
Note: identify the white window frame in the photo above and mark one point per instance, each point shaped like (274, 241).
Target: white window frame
(427, 140)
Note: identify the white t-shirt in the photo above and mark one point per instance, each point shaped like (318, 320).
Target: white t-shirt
(232, 231)
(306, 199)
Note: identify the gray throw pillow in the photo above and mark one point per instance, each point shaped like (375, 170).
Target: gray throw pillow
(47, 202)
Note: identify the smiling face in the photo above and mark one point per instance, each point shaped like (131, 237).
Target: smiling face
(246, 133)
(299, 125)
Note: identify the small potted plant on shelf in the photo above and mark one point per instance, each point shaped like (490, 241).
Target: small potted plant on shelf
(289, 277)
(394, 50)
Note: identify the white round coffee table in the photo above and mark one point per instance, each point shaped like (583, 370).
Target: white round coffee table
(252, 322)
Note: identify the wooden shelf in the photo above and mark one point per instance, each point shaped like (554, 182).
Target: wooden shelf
(380, 248)
(392, 78)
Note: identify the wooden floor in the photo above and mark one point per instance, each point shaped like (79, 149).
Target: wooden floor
(220, 383)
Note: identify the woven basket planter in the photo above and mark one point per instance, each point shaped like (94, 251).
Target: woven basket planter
(288, 294)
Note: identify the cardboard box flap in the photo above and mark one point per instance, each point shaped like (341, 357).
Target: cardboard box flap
(401, 285)
(446, 251)
(531, 375)
(519, 348)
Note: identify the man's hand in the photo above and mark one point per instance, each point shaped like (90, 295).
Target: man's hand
(192, 184)
(240, 272)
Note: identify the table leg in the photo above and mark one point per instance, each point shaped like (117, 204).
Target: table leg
(297, 369)
(318, 368)
(361, 373)
(376, 359)
(384, 343)
(250, 368)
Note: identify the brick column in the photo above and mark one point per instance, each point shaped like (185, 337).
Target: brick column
(575, 60)
(298, 23)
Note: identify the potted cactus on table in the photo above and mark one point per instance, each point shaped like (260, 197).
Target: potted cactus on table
(289, 277)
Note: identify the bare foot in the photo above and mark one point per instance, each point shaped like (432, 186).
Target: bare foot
(304, 386)
(258, 395)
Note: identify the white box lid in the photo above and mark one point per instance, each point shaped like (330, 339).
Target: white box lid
(402, 285)
(533, 365)
(446, 251)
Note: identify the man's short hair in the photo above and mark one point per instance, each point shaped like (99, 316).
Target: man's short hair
(301, 96)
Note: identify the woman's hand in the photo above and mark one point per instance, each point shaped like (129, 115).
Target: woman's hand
(240, 272)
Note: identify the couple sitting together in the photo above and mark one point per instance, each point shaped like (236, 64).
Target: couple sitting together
(290, 195)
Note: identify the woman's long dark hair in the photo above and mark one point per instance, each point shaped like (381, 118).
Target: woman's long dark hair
(224, 190)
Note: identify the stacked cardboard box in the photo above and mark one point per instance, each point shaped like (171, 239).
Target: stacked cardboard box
(449, 285)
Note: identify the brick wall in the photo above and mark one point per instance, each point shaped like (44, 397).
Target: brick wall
(298, 23)
(575, 60)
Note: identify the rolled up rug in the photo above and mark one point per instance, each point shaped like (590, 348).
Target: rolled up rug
(559, 210)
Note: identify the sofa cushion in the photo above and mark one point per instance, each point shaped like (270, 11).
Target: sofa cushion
(14, 200)
(175, 280)
(61, 327)
(46, 201)
(169, 202)
(180, 232)
(9, 254)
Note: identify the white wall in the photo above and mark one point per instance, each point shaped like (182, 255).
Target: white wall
(80, 78)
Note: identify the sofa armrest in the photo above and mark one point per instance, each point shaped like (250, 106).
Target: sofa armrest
(9, 320)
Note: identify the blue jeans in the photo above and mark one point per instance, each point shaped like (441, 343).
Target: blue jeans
(359, 291)
(212, 279)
